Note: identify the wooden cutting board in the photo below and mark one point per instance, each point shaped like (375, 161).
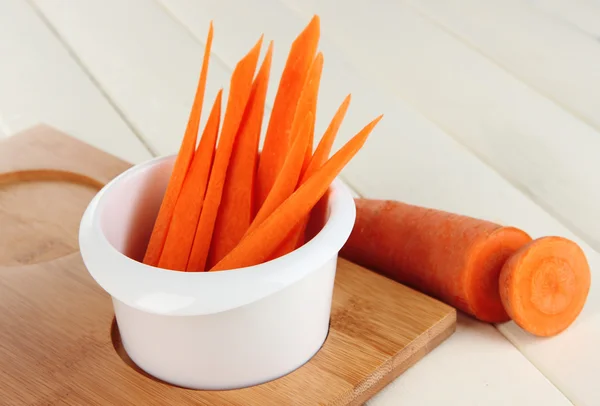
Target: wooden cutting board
(59, 343)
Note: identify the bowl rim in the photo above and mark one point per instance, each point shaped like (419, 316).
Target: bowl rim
(160, 291)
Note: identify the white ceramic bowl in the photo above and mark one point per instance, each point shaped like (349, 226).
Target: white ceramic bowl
(209, 330)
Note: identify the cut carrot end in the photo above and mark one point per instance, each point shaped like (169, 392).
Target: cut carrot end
(483, 272)
(454, 258)
(545, 284)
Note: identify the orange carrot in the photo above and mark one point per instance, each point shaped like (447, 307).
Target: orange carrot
(324, 148)
(545, 284)
(452, 257)
(288, 177)
(258, 245)
(236, 211)
(296, 237)
(302, 131)
(277, 138)
(239, 92)
(309, 150)
(181, 166)
(312, 87)
(189, 205)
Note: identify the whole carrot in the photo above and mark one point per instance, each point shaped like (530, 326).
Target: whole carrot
(257, 246)
(454, 258)
(239, 92)
(180, 168)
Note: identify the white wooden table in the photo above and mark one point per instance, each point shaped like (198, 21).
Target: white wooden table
(492, 109)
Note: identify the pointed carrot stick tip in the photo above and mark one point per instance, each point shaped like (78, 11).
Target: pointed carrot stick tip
(312, 28)
(260, 40)
(315, 20)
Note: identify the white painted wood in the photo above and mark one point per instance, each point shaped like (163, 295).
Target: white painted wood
(146, 62)
(438, 379)
(556, 59)
(41, 83)
(545, 151)
(407, 158)
(583, 15)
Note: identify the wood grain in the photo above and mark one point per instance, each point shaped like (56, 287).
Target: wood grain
(538, 49)
(60, 343)
(42, 81)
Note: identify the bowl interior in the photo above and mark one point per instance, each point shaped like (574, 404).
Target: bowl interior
(132, 207)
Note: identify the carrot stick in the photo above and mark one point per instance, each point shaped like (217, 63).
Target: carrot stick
(189, 205)
(545, 284)
(239, 92)
(288, 177)
(324, 148)
(296, 237)
(236, 211)
(454, 258)
(277, 138)
(181, 166)
(258, 245)
(302, 131)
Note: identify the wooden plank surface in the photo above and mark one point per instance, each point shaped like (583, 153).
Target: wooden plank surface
(145, 61)
(40, 82)
(57, 344)
(580, 14)
(554, 58)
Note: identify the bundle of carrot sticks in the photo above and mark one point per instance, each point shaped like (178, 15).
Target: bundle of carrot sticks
(492, 272)
(229, 206)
